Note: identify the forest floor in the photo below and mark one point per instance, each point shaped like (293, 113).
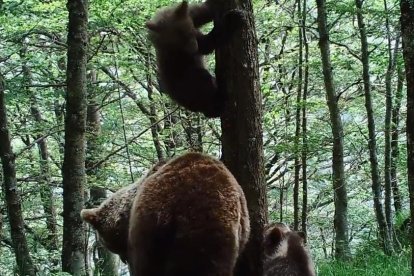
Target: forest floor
(370, 264)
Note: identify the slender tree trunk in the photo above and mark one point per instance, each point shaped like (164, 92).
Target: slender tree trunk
(387, 126)
(372, 144)
(107, 263)
(173, 139)
(46, 191)
(74, 176)
(338, 174)
(11, 192)
(153, 111)
(238, 71)
(192, 128)
(304, 123)
(407, 27)
(394, 141)
(298, 128)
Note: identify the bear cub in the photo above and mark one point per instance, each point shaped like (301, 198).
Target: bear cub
(285, 252)
(180, 46)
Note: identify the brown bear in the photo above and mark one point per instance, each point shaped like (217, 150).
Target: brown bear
(180, 47)
(189, 218)
(111, 218)
(285, 252)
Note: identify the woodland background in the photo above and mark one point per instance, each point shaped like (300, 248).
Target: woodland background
(130, 126)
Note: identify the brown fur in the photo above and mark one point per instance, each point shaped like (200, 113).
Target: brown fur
(111, 218)
(285, 252)
(189, 218)
(180, 47)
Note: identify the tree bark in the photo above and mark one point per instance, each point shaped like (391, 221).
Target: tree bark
(238, 71)
(338, 174)
(407, 27)
(298, 129)
(304, 122)
(74, 176)
(394, 142)
(11, 192)
(385, 236)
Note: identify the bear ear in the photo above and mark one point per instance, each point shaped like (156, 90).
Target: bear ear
(272, 239)
(152, 26)
(182, 10)
(275, 235)
(302, 235)
(90, 216)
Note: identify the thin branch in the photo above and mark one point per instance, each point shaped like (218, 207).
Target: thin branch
(99, 163)
(127, 90)
(37, 141)
(346, 47)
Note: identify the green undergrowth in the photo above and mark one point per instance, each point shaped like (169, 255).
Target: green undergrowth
(368, 263)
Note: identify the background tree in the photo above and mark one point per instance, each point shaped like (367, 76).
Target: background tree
(12, 197)
(338, 174)
(73, 171)
(407, 25)
(372, 142)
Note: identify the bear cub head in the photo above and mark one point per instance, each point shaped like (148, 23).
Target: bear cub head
(173, 28)
(285, 252)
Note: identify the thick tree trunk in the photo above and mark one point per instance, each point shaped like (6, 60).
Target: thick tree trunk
(394, 142)
(107, 263)
(372, 144)
(11, 192)
(407, 27)
(74, 176)
(304, 122)
(238, 70)
(46, 191)
(338, 174)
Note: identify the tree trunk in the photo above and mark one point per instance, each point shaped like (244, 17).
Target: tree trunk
(153, 111)
(107, 263)
(238, 71)
(46, 191)
(339, 185)
(387, 124)
(304, 123)
(407, 27)
(192, 128)
(74, 176)
(298, 128)
(372, 145)
(11, 192)
(394, 142)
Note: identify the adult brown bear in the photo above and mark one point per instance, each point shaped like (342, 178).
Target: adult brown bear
(188, 218)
